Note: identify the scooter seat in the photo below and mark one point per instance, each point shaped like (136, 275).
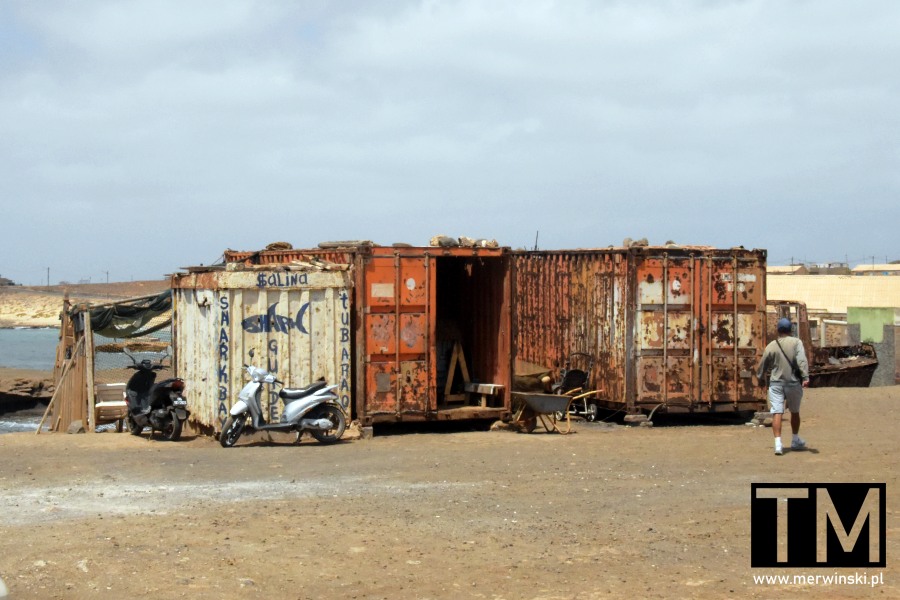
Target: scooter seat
(295, 393)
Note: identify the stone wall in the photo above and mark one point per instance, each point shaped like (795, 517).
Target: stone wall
(886, 349)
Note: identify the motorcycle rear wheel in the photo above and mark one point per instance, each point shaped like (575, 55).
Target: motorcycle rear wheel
(232, 430)
(336, 416)
(172, 429)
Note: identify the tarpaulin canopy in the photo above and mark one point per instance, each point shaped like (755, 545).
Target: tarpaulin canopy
(129, 318)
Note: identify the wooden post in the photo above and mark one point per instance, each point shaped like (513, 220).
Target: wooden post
(457, 358)
(59, 384)
(89, 368)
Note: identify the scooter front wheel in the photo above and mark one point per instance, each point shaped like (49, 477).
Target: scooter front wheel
(232, 430)
(134, 428)
(339, 424)
(172, 430)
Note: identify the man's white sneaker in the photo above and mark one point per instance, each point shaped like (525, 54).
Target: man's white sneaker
(798, 444)
(778, 450)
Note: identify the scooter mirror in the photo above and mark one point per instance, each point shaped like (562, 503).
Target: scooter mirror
(251, 353)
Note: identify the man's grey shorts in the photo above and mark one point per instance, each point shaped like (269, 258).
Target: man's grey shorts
(781, 392)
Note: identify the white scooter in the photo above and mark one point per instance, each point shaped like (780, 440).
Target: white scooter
(314, 408)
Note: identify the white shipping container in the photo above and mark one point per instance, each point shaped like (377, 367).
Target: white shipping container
(297, 323)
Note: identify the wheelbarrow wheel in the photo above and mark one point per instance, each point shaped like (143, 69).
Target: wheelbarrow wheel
(526, 420)
(528, 424)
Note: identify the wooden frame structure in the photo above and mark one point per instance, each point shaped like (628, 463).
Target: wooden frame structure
(75, 397)
(73, 375)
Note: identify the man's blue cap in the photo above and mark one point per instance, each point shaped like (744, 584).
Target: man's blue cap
(784, 325)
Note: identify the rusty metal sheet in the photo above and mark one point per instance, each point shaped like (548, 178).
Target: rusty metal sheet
(414, 304)
(669, 326)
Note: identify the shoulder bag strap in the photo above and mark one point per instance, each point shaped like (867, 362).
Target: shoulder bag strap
(792, 361)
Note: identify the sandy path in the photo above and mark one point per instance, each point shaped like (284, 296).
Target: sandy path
(657, 512)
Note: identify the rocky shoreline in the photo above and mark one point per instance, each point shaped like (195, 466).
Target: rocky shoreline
(23, 391)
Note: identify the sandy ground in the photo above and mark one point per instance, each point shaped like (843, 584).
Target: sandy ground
(39, 306)
(607, 512)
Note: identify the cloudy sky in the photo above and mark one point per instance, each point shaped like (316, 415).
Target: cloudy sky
(137, 137)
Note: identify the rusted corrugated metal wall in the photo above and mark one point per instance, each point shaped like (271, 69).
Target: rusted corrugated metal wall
(567, 302)
(343, 256)
(297, 323)
(680, 328)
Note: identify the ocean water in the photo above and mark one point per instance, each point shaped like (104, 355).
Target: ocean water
(36, 349)
(28, 348)
(12, 423)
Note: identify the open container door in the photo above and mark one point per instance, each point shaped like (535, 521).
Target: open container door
(434, 334)
(397, 332)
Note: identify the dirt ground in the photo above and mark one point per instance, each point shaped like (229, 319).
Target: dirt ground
(609, 511)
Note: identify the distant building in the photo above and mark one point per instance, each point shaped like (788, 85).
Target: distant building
(831, 295)
(5, 281)
(838, 268)
(870, 270)
(787, 270)
(810, 269)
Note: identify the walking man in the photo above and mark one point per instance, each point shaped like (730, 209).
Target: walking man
(786, 358)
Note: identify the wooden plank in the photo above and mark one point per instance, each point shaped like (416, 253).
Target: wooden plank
(484, 388)
(89, 370)
(457, 358)
(59, 385)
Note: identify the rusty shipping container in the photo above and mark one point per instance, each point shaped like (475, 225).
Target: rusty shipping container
(432, 329)
(296, 322)
(670, 328)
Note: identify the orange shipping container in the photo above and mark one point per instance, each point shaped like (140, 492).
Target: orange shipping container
(669, 328)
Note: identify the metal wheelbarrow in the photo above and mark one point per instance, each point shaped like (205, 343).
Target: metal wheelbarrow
(534, 407)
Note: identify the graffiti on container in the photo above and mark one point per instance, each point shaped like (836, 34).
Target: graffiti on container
(271, 321)
(272, 367)
(222, 366)
(281, 279)
(344, 389)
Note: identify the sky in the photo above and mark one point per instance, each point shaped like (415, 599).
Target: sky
(138, 137)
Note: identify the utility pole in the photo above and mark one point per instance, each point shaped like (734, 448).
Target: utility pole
(48, 276)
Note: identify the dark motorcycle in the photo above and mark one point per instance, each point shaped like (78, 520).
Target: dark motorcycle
(576, 383)
(159, 406)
